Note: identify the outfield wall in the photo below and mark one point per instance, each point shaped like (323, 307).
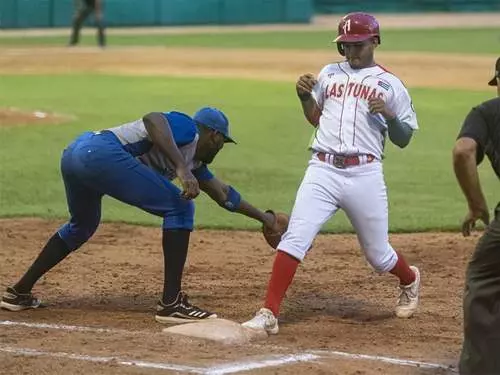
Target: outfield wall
(404, 6)
(58, 13)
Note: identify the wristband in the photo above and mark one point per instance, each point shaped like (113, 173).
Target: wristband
(233, 200)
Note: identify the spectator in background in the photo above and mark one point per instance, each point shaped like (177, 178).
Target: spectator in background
(83, 9)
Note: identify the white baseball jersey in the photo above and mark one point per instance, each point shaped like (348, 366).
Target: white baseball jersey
(346, 125)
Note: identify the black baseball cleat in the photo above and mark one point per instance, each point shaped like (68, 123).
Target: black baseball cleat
(181, 311)
(14, 301)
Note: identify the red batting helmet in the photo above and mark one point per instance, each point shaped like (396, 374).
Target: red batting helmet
(356, 27)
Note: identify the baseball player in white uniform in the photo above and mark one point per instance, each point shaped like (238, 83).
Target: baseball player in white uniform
(353, 104)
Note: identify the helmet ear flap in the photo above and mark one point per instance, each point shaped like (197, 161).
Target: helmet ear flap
(340, 47)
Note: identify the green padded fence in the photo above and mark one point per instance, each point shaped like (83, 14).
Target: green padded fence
(379, 6)
(33, 13)
(57, 13)
(8, 10)
(131, 13)
(61, 13)
(181, 12)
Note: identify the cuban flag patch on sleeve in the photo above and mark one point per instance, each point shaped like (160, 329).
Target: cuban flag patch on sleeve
(384, 85)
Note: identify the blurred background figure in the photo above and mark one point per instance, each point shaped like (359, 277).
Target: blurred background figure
(83, 9)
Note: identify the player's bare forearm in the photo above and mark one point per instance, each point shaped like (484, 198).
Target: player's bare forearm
(252, 212)
(216, 190)
(159, 131)
(464, 165)
(304, 88)
(222, 194)
(311, 111)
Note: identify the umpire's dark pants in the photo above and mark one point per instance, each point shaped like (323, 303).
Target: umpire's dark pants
(84, 9)
(481, 347)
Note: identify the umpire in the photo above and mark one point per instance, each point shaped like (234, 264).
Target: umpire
(480, 135)
(83, 9)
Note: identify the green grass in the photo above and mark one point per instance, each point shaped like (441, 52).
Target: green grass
(469, 41)
(266, 166)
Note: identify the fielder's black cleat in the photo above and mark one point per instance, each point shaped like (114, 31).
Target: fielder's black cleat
(14, 301)
(181, 311)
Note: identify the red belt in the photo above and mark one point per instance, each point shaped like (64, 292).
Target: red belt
(343, 160)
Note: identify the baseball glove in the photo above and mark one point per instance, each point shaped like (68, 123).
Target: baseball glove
(273, 236)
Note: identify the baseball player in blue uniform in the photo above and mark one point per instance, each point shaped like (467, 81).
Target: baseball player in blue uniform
(135, 163)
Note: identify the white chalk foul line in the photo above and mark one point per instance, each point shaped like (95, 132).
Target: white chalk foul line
(228, 368)
(394, 361)
(88, 358)
(232, 368)
(65, 327)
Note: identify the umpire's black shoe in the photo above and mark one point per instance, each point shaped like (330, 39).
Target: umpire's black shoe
(181, 311)
(14, 301)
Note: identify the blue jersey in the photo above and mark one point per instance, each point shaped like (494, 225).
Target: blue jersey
(135, 139)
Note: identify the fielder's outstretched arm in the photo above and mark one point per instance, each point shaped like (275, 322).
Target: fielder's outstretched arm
(227, 197)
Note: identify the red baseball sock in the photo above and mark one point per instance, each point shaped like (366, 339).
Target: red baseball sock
(284, 268)
(403, 271)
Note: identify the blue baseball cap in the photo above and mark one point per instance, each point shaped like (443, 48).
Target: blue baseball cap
(214, 119)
